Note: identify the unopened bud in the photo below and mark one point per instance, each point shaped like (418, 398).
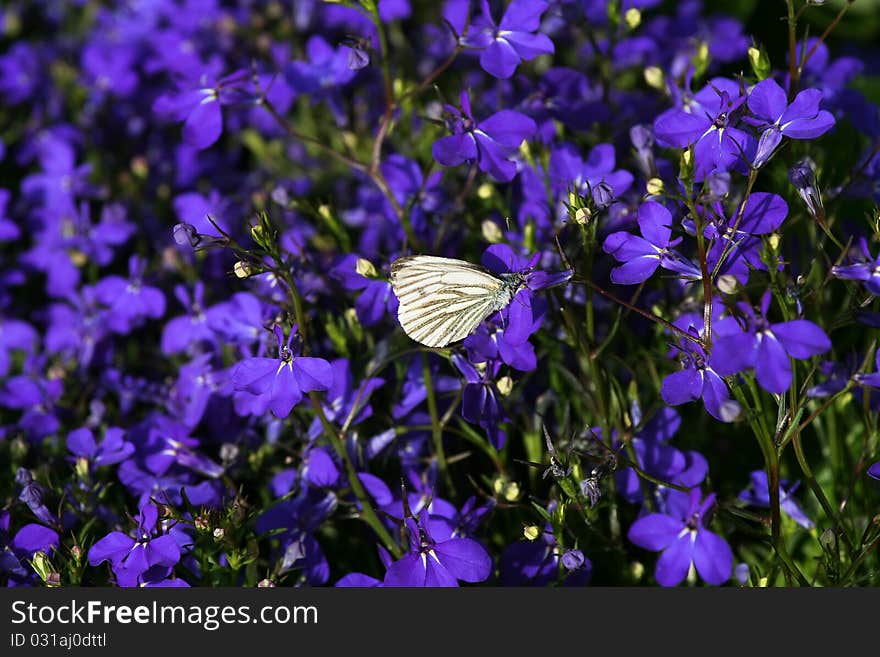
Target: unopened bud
(632, 18)
(492, 233)
(760, 61)
(654, 187)
(365, 268)
(242, 269)
(485, 191)
(655, 78)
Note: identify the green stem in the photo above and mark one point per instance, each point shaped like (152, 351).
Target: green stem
(820, 494)
(436, 427)
(336, 439)
(794, 71)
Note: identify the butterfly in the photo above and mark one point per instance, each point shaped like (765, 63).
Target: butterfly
(443, 300)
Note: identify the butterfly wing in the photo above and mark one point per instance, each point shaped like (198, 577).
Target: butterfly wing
(443, 300)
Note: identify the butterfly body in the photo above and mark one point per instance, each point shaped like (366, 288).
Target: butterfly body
(443, 300)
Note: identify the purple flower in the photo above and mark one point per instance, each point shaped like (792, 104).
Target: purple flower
(589, 177)
(192, 329)
(642, 255)
(32, 494)
(327, 67)
(279, 383)
(197, 103)
(441, 562)
(683, 539)
(112, 449)
(705, 122)
(149, 556)
(129, 301)
(758, 494)
(699, 380)
(15, 335)
(479, 401)
(490, 143)
(514, 39)
(522, 316)
(767, 347)
(866, 269)
(802, 119)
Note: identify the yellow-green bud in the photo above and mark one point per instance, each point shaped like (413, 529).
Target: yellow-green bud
(632, 18)
(655, 78)
(491, 232)
(760, 61)
(365, 268)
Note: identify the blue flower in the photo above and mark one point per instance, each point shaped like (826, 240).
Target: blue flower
(683, 539)
(279, 383)
(438, 562)
(490, 143)
(514, 39)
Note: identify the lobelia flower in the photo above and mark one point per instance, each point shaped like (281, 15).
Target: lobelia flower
(802, 119)
(523, 315)
(376, 301)
(435, 563)
(705, 122)
(514, 39)
(698, 379)
(656, 457)
(758, 494)
(32, 494)
(149, 556)
(767, 347)
(536, 562)
(490, 143)
(15, 335)
(681, 536)
(278, 384)
(643, 255)
(591, 177)
(129, 301)
(479, 401)
(18, 550)
(9, 230)
(192, 329)
(111, 450)
(198, 101)
(867, 271)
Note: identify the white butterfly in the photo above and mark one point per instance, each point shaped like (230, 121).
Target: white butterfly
(443, 300)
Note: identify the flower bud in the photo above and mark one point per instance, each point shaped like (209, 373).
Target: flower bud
(492, 233)
(632, 18)
(242, 269)
(365, 268)
(654, 187)
(531, 532)
(803, 176)
(573, 559)
(655, 78)
(760, 61)
(504, 385)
